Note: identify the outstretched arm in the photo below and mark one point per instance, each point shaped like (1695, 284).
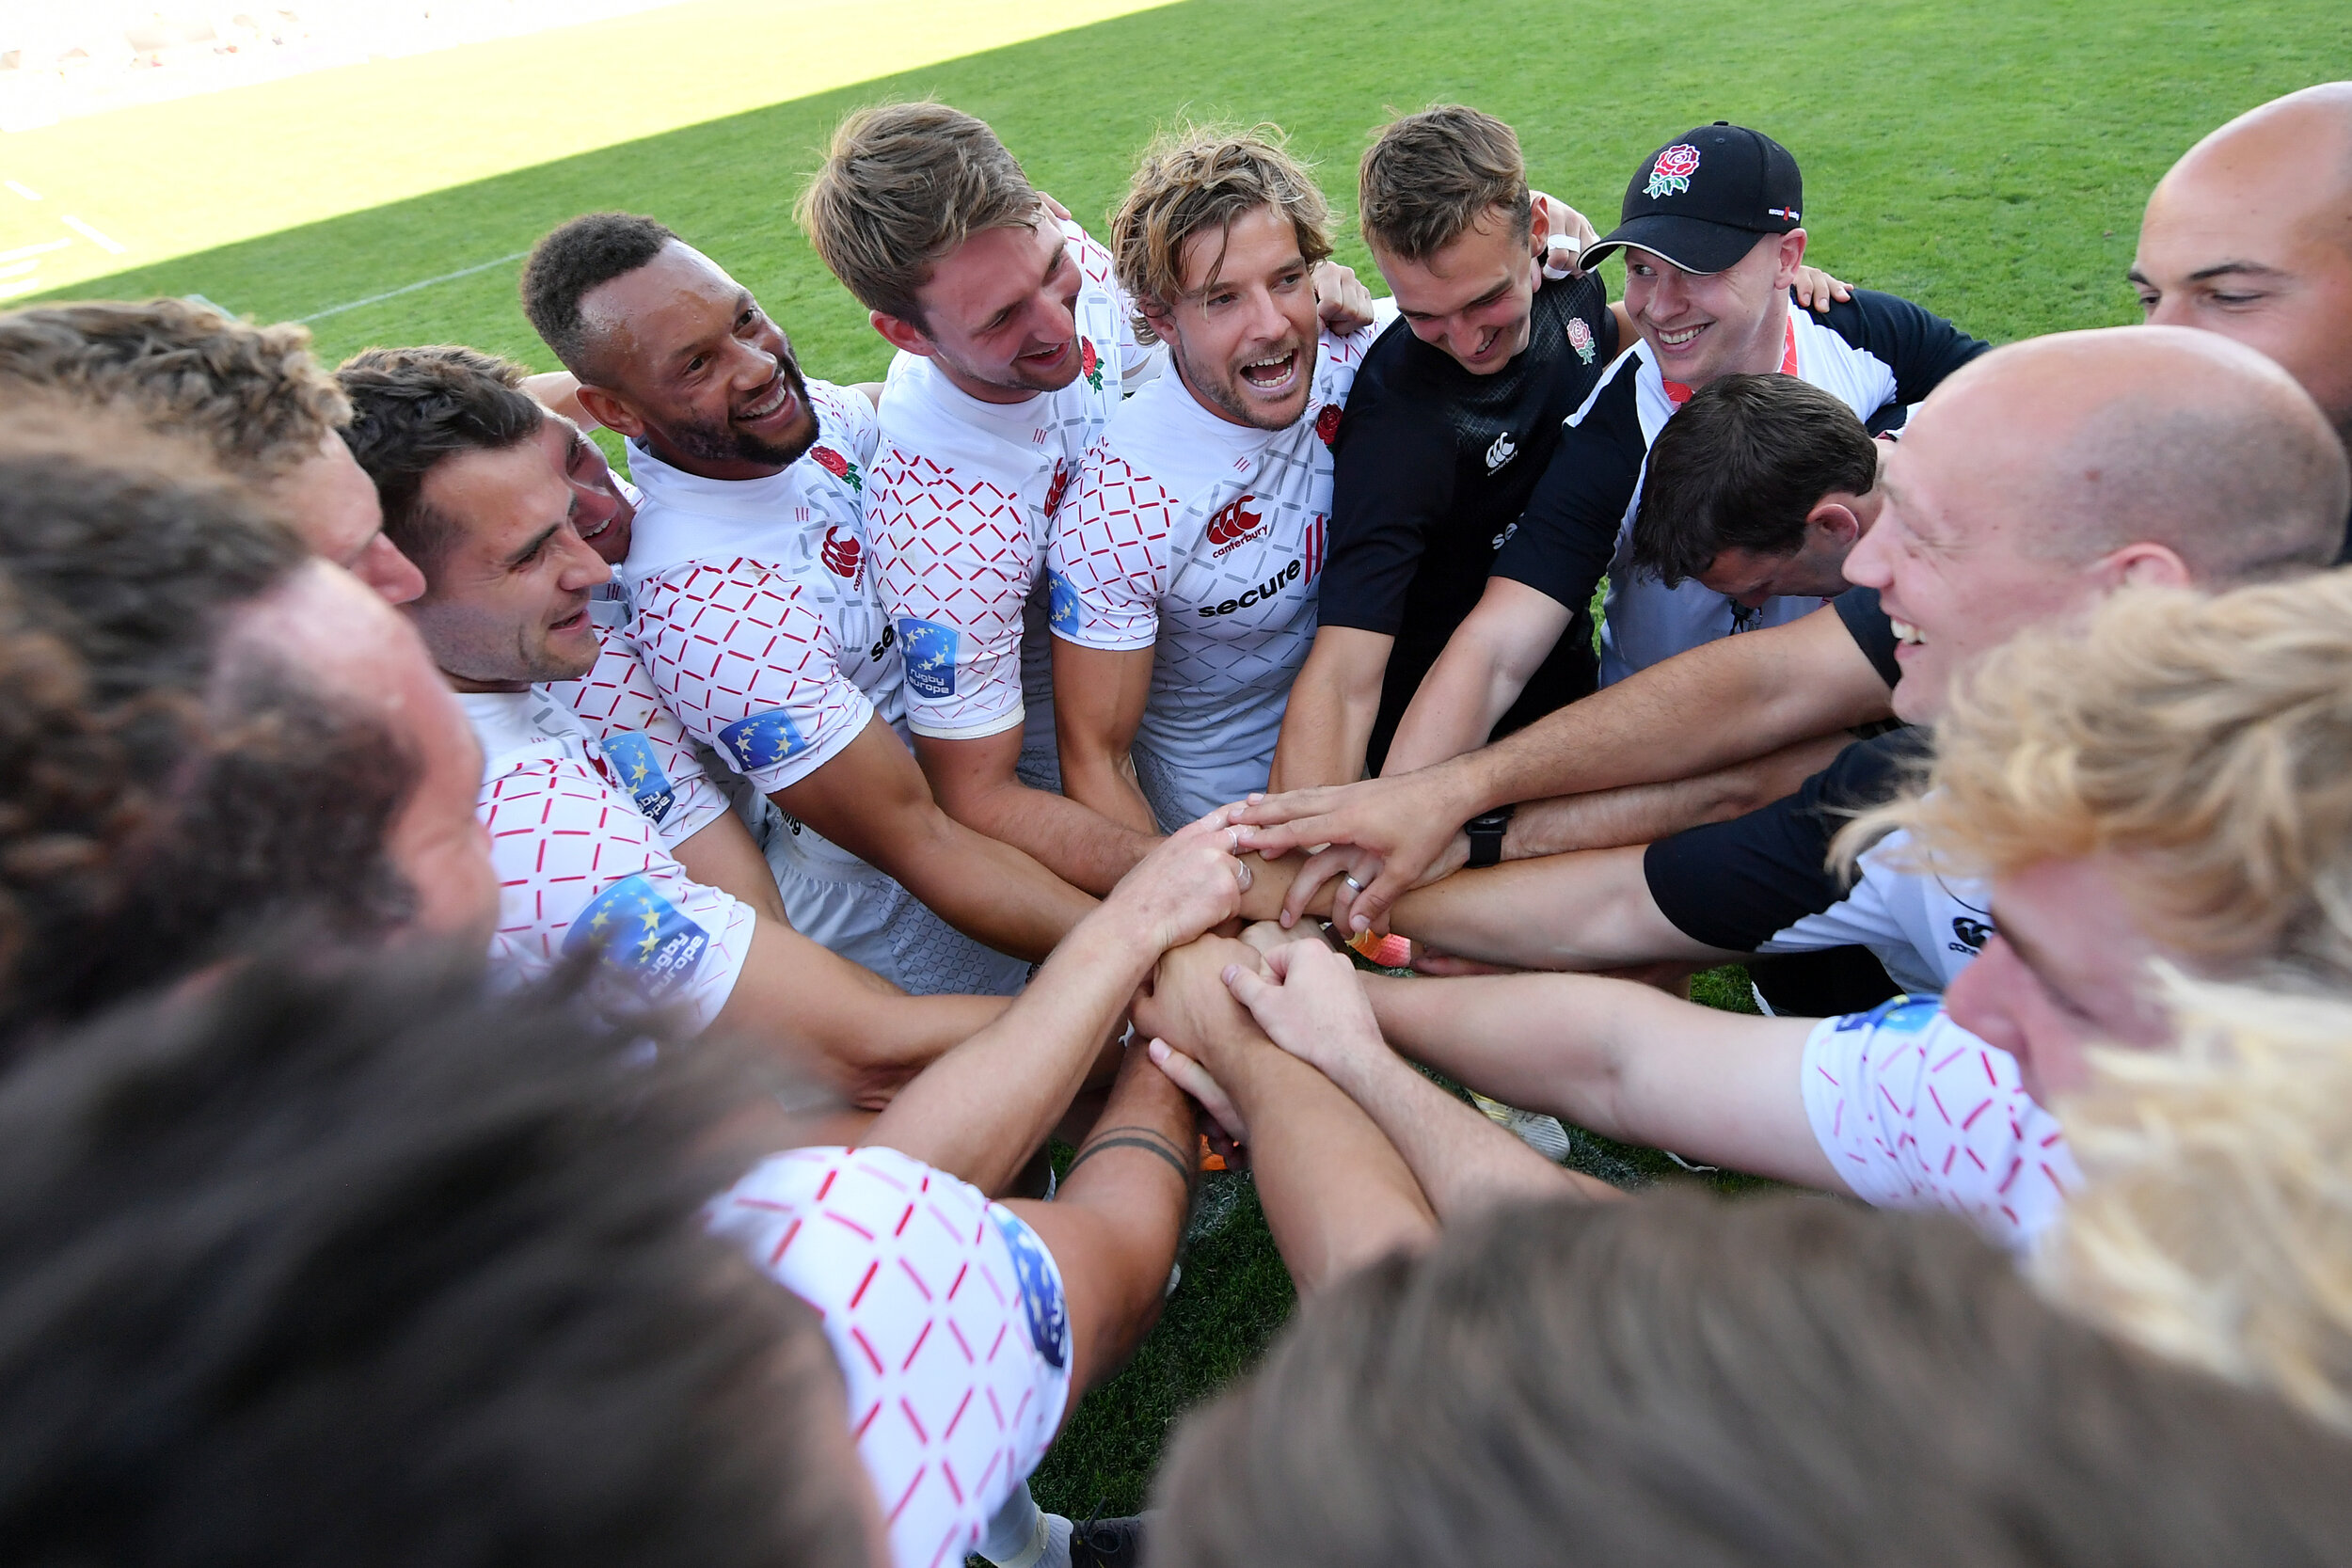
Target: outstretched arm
(1310, 1002)
(1114, 1225)
(1333, 705)
(1337, 1193)
(983, 1109)
(873, 801)
(1098, 695)
(1486, 663)
(976, 784)
(1622, 1059)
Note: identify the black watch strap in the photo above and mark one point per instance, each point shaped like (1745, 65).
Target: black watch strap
(1485, 835)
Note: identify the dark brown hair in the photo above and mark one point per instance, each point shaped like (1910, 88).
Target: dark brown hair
(572, 261)
(1429, 178)
(1686, 1381)
(411, 409)
(1739, 466)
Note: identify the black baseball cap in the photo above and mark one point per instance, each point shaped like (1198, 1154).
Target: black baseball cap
(1701, 200)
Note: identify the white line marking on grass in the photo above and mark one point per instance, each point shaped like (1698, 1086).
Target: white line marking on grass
(42, 249)
(412, 288)
(18, 269)
(90, 232)
(22, 285)
(24, 190)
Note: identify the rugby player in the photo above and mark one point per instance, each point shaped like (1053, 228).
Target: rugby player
(253, 397)
(1448, 427)
(754, 608)
(2276, 275)
(1016, 343)
(1184, 561)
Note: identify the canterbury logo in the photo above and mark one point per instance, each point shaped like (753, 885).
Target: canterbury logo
(1501, 452)
(1231, 524)
(843, 556)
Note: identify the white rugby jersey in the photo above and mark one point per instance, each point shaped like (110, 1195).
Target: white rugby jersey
(958, 506)
(1925, 929)
(1203, 538)
(947, 1314)
(755, 606)
(1916, 1113)
(581, 866)
(645, 748)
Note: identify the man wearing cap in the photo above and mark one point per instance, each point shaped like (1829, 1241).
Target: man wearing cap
(1712, 227)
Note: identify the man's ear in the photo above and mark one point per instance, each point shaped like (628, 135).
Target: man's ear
(2145, 564)
(1792, 257)
(1833, 523)
(607, 409)
(902, 333)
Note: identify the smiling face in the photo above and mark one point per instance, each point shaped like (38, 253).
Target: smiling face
(1000, 314)
(685, 360)
(2067, 970)
(507, 597)
(604, 518)
(2251, 236)
(1702, 326)
(1475, 298)
(1243, 333)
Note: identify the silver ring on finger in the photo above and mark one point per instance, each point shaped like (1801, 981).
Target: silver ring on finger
(1349, 877)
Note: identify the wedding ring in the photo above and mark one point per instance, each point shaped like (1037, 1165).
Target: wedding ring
(1349, 877)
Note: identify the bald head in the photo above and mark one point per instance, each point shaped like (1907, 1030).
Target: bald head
(2048, 473)
(2249, 236)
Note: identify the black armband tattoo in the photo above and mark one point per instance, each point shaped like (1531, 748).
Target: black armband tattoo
(1135, 1137)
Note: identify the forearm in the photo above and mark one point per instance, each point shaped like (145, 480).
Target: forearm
(983, 1108)
(1637, 814)
(1328, 721)
(988, 891)
(1077, 842)
(1588, 909)
(1464, 692)
(1337, 1193)
(721, 854)
(1463, 1162)
(1114, 1226)
(1102, 781)
(1550, 1042)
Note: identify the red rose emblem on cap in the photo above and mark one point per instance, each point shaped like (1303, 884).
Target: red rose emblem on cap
(1671, 174)
(832, 462)
(1327, 423)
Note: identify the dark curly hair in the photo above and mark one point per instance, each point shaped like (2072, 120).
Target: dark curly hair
(159, 799)
(254, 396)
(413, 407)
(346, 1268)
(582, 255)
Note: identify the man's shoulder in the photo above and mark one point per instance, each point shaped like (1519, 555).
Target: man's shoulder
(1889, 328)
(1610, 416)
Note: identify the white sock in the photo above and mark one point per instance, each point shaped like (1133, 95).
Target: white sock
(1022, 1535)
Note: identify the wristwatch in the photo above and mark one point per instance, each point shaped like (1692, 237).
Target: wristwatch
(1485, 835)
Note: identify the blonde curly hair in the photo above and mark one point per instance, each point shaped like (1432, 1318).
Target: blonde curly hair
(2215, 1226)
(1198, 179)
(2209, 740)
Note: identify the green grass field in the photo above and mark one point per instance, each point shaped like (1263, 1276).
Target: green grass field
(1989, 161)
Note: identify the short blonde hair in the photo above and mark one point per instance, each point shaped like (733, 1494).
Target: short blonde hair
(2215, 1224)
(1198, 179)
(254, 396)
(902, 185)
(2208, 739)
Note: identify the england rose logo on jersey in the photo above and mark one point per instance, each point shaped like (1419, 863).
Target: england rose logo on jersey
(843, 555)
(839, 467)
(1090, 363)
(1580, 339)
(1327, 423)
(1671, 174)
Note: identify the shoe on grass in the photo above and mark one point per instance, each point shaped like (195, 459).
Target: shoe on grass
(1108, 1543)
(1538, 1131)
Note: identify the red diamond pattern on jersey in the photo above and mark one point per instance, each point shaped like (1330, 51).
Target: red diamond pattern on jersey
(1916, 1113)
(958, 549)
(617, 697)
(951, 1402)
(728, 638)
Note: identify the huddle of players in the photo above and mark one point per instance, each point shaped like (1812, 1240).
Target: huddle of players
(859, 635)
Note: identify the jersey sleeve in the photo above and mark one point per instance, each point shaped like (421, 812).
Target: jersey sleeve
(581, 869)
(645, 750)
(1916, 1113)
(846, 415)
(942, 538)
(1920, 347)
(1871, 630)
(1736, 885)
(1568, 532)
(1111, 562)
(947, 1314)
(749, 667)
(1391, 484)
